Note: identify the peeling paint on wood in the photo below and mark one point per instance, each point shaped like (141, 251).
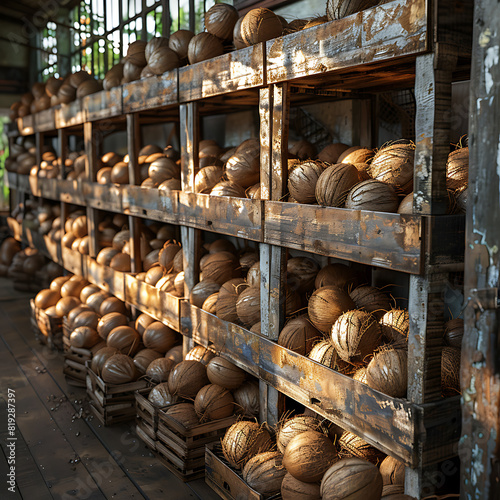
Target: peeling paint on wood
(148, 93)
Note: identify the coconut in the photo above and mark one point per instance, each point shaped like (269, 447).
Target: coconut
(387, 372)
(151, 259)
(89, 87)
(221, 245)
(112, 304)
(64, 305)
(259, 25)
(248, 306)
(210, 303)
(303, 150)
(105, 256)
(109, 322)
(159, 369)
(353, 446)
(355, 335)
(220, 267)
(243, 168)
(178, 285)
(254, 192)
(159, 337)
(119, 173)
(303, 272)
(9, 248)
(201, 354)
(204, 46)
(163, 169)
(175, 354)
(125, 339)
(119, 369)
(326, 305)
(334, 184)
(246, 398)
(396, 325)
(293, 489)
(224, 373)
(187, 378)
(213, 402)
(79, 226)
(86, 318)
(167, 254)
(295, 426)
(264, 472)
(253, 275)
(153, 275)
(179, 43)
(96, 299)
(242, 441)
(308, 455)
(136, 53)
(302, 180)
(144, 358)
(330, 154)
(324, 353)
(337, 275)
(228, 296)
(248, 259)
(100, 357)
(159, 395)
(74, 313)
(393, 164)
(87, 292)
(351, 478)
(47, 298)
(373, 195)
(163, 59)
(207, 177)
(371, 299)
(201, 291)
(457, 169)
(360, 375)
(120, 262)
(227, 188)
(142, 322)
(84, 337)
(299, 335)
(406, 206)
(220, 20)
(450, 371)
(392, 471)
(356, 154)
(184, 414)
(454, 332)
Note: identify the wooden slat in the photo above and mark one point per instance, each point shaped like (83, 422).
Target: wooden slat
(148, 93)
(103, 196)
(240, 217)
(384, 32)
(149, 203)
(238, 70)
(69, 115)
(45, 120)
(106, 278)
(74, 262)
(384, 240)
(72, 192)
(104, 104)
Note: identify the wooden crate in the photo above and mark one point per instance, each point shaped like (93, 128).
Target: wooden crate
(144, 436)
(182, 448)
(225, 481)
(75, 358)
(48, 330)
(146, 413)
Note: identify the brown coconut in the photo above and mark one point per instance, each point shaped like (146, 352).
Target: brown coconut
(222, 372)
(293, 489)
(210, 303)
(338, 275)
(454, 332)
(187, 378)
(393, 164)
(259, 25)
(360, 375)
(330, 154)
(220, 20)
(243, 440)
(253, 275)
(308, 455)
(373, 195)
(220, 267)
(125, 339)
(371, 299)
(159, 369)
(395, 325)
(159, 337)
(324, 353)
(163, 59)
(213, 402)
(184, 414)
(228, 188)
(295, 426)
(302, 180)
(248, 306)
(334, 184)
(299, 335)
(119, 369)
(326, 305)
(355, 336)
(142, 322)
(84, 337)
(450, 371)
(302, 272)
(47, 298)
(265, 472)
(179, 43)
(353, 446)
(351, 478)
(160, 397)
(246, 398)
(100, 357)
(109, 322)
(406, 205)
(64, 305)
(243, 168)
(144, 358)
(228, 296)
(204, 46)
(208, 177)
(457, 169)
(201, 354)
(105, 256)
(86, 318)
(303, 150)
(392, 471)
(356, 154)
(167, 255)
(387, 372)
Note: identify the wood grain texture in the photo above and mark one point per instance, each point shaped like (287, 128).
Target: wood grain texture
(69, 115)
(45, 121)
(104, 104)
(102, 196)
(148, 93)
(106, 278)
(240, 217)
(238, 70)
(391, 30)
(480, 379)
(381, 239)
(150, 203)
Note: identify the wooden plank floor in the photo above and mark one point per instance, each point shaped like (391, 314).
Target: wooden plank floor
(58, 454)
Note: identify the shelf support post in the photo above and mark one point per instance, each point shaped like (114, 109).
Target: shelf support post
(90, 139)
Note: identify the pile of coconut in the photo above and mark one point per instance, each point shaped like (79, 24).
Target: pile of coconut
(310, 459)
(22, 156)
(203, 386)
(360, 178)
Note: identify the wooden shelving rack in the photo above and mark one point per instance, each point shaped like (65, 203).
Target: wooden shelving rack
(400, 44)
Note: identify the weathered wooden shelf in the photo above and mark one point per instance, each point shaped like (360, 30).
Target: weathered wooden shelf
(150, 203)
(103, 196)
(150, 93)
(70, 115)
(240, 217)
(45, 121)
(105, 278)
(26, 125)
(102, 105)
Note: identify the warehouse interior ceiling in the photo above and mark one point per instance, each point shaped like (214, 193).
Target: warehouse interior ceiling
(22, 10)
